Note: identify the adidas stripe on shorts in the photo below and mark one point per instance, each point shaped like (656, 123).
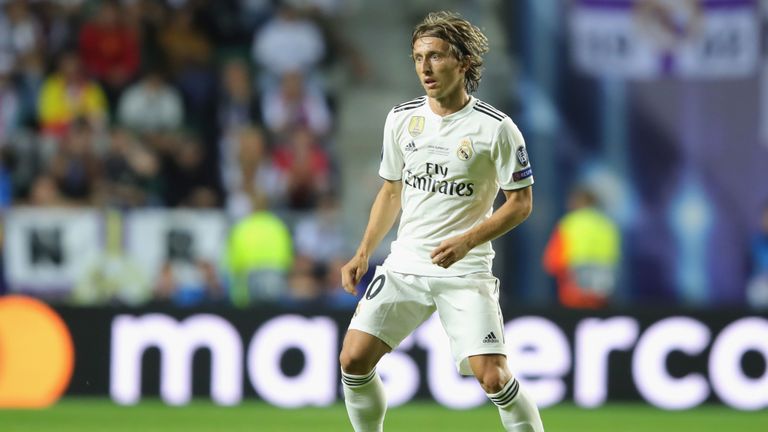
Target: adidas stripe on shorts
(395, 304)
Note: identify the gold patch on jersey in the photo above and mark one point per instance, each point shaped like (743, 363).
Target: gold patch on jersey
(465, 150)
(416, 126)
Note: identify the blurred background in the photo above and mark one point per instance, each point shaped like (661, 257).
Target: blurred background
(193, 159)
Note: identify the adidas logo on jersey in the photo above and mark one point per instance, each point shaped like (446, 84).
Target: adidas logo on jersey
(491, 338)
(410, 147)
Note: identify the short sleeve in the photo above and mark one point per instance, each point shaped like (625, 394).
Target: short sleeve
(391, 167)
(510, 157)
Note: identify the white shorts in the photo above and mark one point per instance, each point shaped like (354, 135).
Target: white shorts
(395, 304)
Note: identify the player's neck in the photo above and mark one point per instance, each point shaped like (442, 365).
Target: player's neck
(449, 104)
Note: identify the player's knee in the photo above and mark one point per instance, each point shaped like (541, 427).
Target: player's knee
(354, 362)
(492, 380)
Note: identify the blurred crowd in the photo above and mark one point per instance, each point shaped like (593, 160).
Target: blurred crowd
(185, 104)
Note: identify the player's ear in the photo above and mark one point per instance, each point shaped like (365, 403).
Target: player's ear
(465, 64)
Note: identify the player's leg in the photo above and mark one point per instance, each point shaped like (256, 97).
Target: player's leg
(361, 352)
(363, 389)
(392, 307)
(517, 410)
(469, 310)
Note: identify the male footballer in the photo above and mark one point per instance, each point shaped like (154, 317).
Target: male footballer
(445, 156)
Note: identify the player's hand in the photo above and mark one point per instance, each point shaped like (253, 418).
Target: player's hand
(450, 251)
(352, 272)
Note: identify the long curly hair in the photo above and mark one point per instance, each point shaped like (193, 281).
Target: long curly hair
(468, 43)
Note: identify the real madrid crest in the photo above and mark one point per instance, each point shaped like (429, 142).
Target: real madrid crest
(416, 126)
(465, 150)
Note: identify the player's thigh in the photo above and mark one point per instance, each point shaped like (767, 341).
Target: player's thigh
(469, 310)
(392, 307)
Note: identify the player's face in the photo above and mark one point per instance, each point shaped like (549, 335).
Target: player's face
(441, 74)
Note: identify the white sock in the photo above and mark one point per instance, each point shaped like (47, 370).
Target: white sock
(365, 401)
(517, 411)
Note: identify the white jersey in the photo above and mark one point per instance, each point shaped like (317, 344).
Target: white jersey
(452, 168)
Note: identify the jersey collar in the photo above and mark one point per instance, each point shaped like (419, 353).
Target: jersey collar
(458, 114)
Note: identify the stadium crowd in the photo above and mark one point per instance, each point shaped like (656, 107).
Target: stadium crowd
(185, 104)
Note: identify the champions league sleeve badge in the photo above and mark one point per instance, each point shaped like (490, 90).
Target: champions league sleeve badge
(465, 150)
(416, 126)
(522, 156)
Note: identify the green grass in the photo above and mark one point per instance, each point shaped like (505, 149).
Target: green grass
(92, 415)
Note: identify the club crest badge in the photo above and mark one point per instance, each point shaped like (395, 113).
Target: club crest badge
(522, 156)
(465, 150)
(416, 126)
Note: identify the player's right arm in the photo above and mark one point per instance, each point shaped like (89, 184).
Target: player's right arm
(384, 212)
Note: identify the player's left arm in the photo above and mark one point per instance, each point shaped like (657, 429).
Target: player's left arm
(512, 213)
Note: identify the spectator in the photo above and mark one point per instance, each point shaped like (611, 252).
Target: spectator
(185, 46)
(59, 148)
(320, 247)
(109, 49)
(131, 172)
(150, 17)
(188, 182)
(293, 105)
(189, 52)
(254, 14)
(184, 284)
(20, 33)
(320, 236)
(250, 172)
(62, 20)
(306, 168)
(236, 105)
(259, 256)
(67, 96)
(44, 192)
(304, 290)
(76, 168)
(288, 42)
(10, 107)
(151, 105)
(30, 76)
(757, 288)
(223, 21)
(583, 253)
(22, 160)
(329, 16)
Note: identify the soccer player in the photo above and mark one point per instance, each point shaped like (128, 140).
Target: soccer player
(444, 157)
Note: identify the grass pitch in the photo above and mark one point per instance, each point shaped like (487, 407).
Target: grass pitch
(101, 415)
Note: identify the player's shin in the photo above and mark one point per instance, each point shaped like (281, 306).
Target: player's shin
(365, 401)
(517, 410)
